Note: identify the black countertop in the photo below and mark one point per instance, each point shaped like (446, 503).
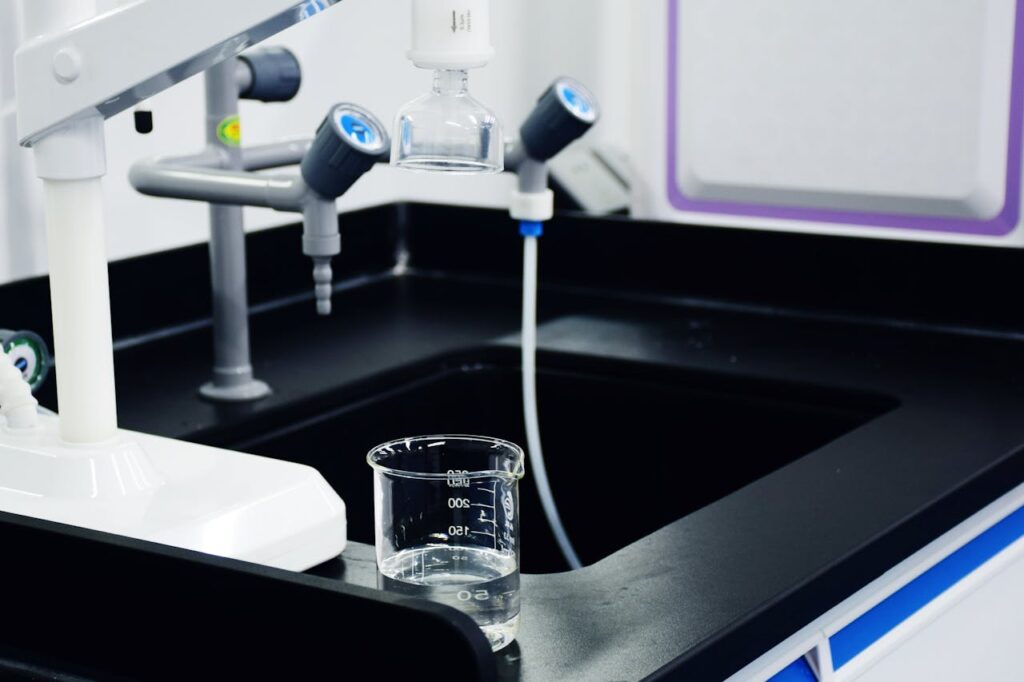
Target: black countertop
(710, 592)
(719, 587)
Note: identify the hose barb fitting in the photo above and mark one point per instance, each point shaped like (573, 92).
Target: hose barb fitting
(323, 277)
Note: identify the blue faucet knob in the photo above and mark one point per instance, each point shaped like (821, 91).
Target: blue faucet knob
(563, 114)
(347, 144)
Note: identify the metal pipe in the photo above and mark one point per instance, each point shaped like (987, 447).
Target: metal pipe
(533, 176)
(232, 366)
(514, 155)
(255, 158)
(276, 155)
(321, 241)
(234, 188)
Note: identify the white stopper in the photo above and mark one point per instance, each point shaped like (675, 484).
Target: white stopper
(451, 34)
(535, 206)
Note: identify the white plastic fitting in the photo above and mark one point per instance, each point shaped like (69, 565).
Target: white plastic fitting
(75, 151)
(17, 403)
(534, 206)
(451, 34)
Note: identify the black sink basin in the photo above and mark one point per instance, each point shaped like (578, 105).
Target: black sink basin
(629, 447)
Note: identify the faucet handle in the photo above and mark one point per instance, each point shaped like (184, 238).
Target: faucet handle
(564, 113)
(347, 144)
(272, 74)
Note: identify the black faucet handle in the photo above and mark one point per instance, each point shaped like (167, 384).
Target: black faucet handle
(347, 144)
(563, 114)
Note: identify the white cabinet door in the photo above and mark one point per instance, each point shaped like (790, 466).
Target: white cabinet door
(900, 114)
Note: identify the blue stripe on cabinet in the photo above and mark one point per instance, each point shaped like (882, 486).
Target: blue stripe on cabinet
(912, 597)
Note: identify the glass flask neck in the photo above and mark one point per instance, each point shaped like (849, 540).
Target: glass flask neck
(451, 82)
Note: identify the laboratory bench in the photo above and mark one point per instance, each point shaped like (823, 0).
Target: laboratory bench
(743, 430)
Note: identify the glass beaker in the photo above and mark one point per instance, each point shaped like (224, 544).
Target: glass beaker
(446, 514)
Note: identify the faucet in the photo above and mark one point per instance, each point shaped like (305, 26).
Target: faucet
(565, 112)
(347, 144)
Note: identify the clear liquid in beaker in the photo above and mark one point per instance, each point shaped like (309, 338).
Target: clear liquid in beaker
(482, 583)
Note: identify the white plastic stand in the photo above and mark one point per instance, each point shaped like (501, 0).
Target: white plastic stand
(145, 487)
(80, 469)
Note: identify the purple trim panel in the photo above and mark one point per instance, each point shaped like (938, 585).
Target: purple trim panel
(1001, 225)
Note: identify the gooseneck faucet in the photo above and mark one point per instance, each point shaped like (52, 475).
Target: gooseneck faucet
(349, 142)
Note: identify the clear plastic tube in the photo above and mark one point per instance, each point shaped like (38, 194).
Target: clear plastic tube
(533, 443)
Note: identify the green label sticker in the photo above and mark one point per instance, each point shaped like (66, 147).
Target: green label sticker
(229, 131)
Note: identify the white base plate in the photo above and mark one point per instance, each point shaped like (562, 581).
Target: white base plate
(175, 493)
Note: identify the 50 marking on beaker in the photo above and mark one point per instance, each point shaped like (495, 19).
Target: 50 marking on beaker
(479, 595)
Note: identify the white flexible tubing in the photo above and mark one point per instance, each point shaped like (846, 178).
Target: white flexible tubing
(536, 454)
(16, 400)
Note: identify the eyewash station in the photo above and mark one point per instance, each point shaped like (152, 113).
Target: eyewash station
(511, 341)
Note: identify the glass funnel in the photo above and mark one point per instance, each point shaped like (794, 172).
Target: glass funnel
(448, 131)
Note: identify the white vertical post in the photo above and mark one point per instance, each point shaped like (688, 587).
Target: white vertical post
(71, 162)
(80, 297)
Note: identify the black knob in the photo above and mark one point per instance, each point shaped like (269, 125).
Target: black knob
(143, 121)
(564, 113)
(276, 74)
(347, 144)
